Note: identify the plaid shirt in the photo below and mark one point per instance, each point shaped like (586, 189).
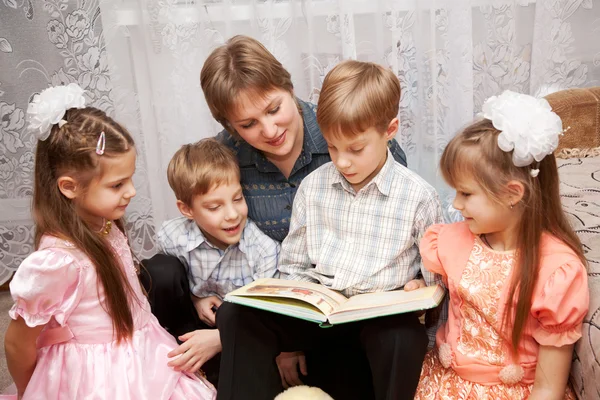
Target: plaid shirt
(216, 272)
(360, 242)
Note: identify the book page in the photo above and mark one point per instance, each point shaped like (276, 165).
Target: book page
(290, 307)
(395, 298)
(313, 293)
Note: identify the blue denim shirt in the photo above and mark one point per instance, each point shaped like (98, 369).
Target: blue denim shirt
(268, 192)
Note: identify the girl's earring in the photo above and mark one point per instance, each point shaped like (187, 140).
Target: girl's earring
(511, 205)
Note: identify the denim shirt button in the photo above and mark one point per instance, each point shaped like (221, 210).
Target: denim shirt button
(288, 207)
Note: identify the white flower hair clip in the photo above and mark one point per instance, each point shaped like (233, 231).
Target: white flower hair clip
(49, 108)
(528, 127)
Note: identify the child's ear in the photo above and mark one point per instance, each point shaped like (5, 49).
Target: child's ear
(392, 129)
(185, 210)
(68, 186)
(516, 191)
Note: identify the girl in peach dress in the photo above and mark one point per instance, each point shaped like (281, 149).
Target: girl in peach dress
(82, 328)
(514, 268)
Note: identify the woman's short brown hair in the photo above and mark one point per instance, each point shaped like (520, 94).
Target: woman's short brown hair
(357, 96)
(242, 63)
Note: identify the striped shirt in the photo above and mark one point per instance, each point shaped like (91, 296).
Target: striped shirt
(360, 242)
(216, 272)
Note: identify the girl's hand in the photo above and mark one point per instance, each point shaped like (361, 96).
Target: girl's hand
(205, 307)
(288, 364)
(197, 348)
(552, 373)
(21, 352)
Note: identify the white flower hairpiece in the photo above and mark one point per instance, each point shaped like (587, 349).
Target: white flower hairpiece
(49, 107)
(529, 128)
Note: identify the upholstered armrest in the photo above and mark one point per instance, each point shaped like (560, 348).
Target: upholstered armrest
(580, 111)
(578, 159)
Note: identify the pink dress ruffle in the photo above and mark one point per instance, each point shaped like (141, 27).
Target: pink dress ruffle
(77, 356)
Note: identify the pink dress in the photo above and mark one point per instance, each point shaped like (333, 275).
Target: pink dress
(77, 357)
(472, 358)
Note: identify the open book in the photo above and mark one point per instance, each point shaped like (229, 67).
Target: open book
(314, 302)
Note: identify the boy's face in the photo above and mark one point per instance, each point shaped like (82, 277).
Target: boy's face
(361, 157)
(221, 214)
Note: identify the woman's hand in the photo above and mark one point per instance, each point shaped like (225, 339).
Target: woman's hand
(197, 348)
(288, 364)
(205, 307)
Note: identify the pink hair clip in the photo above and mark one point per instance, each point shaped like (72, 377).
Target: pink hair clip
(101, 144)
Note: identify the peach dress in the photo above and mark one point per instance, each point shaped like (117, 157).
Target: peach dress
(77, 357)
(472, 357)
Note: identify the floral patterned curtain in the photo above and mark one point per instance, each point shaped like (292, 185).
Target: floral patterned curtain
(139, 60)
(46, 43)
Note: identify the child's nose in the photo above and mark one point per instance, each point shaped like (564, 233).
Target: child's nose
(231, 212)
(343, 162)
(131, 192)
(457, 204)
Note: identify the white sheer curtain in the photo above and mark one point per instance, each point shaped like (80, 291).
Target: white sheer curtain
(140, 60)
(449, 56)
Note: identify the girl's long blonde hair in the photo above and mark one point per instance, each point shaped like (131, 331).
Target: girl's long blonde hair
(71, 149)
(474, 152)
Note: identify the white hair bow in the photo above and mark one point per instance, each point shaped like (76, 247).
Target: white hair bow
(49, 108)
(529, 128)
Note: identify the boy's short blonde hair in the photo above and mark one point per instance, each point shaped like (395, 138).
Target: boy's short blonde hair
(242, 63)
(198, 167)
(356, 96)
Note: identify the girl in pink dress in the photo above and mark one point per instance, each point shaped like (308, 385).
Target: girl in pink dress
(514, 268)
(82, 328)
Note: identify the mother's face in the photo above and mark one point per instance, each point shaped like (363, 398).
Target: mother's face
(270, 123)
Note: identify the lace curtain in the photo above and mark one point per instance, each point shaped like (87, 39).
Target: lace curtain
(139, 60)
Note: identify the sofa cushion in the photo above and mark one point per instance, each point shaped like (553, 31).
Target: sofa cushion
(579, 110)
(580, 195)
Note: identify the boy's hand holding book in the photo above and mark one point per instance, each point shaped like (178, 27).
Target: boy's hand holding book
(415, 284)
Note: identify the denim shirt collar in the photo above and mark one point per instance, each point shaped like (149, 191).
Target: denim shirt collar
(313, 143)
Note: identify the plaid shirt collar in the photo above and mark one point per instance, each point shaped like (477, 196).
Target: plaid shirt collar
(383, 180)
(196, 238)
